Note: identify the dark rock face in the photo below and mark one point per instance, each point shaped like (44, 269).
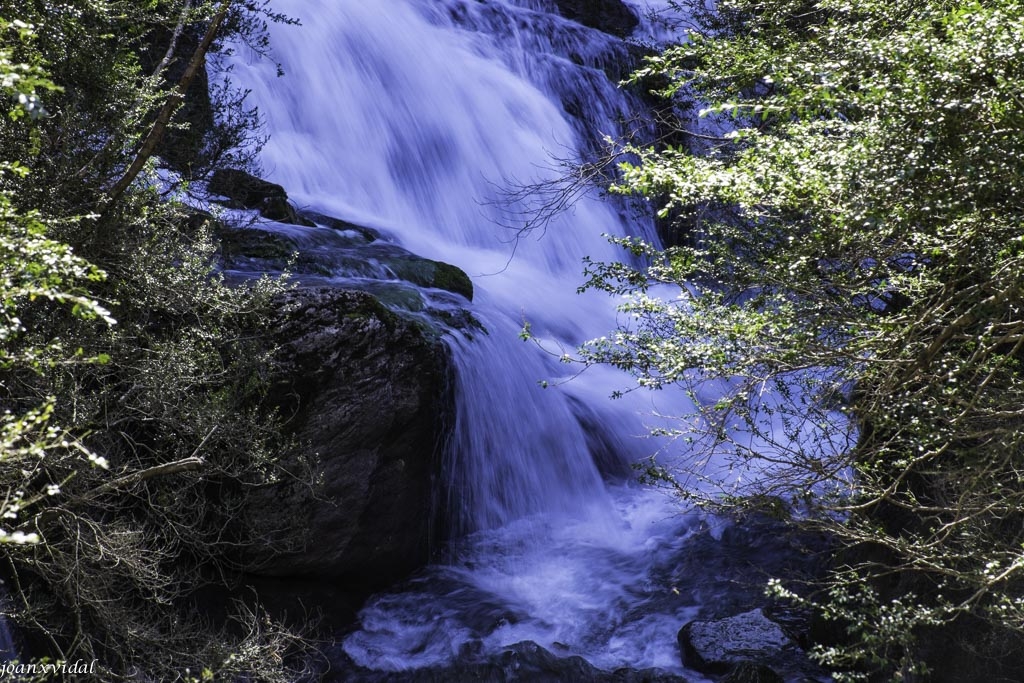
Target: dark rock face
(246, 191)
(335, 253)
(362, 390)
(749, 640)
(610, 16)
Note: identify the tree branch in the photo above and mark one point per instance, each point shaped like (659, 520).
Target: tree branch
(156, 132)
(183, 465)
(175, 37)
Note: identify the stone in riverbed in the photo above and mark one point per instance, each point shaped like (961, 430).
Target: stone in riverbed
(734, 644)
(366, 391)
(246, 191)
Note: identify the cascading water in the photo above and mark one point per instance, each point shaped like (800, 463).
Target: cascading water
(419, 117)
(8, 648)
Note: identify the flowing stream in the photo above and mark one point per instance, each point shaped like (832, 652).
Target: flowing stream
(424, 119)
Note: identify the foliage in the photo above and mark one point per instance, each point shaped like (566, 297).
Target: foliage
(166, 401)
(847, 308)
(31, 267)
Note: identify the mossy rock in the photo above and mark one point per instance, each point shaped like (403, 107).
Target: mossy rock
(428, 273)
(260, 244)
(452, 279)
(405, 265)
(362, 256)
(396, 295)
(369, 234)
(459, 319)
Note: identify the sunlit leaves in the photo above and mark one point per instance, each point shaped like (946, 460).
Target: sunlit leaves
(864, 219)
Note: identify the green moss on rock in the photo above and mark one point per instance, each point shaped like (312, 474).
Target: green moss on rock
(253, 243)
(427, 273)
(452, 279)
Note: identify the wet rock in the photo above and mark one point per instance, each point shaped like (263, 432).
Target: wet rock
(335, 254)
(281, 210)
(246, 191)
(459, 319)
(720, 646)
(424, 272)
(362, 390)
(273, 251)
(368, 234)
(256, 244)
(725, 571)
(609, 16)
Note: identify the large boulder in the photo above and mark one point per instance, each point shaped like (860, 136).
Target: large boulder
(422, 271)
(364, 392)
(335, 253)
(745, 641)
(610, 16)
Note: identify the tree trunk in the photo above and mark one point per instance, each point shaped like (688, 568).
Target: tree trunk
(163, 118)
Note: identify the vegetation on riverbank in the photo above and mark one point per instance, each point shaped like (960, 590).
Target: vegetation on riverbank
(850, 320)
(850, 325)
(130, 374)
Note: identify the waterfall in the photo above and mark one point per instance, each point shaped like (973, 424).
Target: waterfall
(425, 119)
(8, 643)
(8, 648)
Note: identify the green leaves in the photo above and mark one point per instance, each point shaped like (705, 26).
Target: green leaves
(33, 267)
(852, 261)
(101, 561)
(21, 81)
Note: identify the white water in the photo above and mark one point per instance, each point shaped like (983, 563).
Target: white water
(8, 648)
(417, 117)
